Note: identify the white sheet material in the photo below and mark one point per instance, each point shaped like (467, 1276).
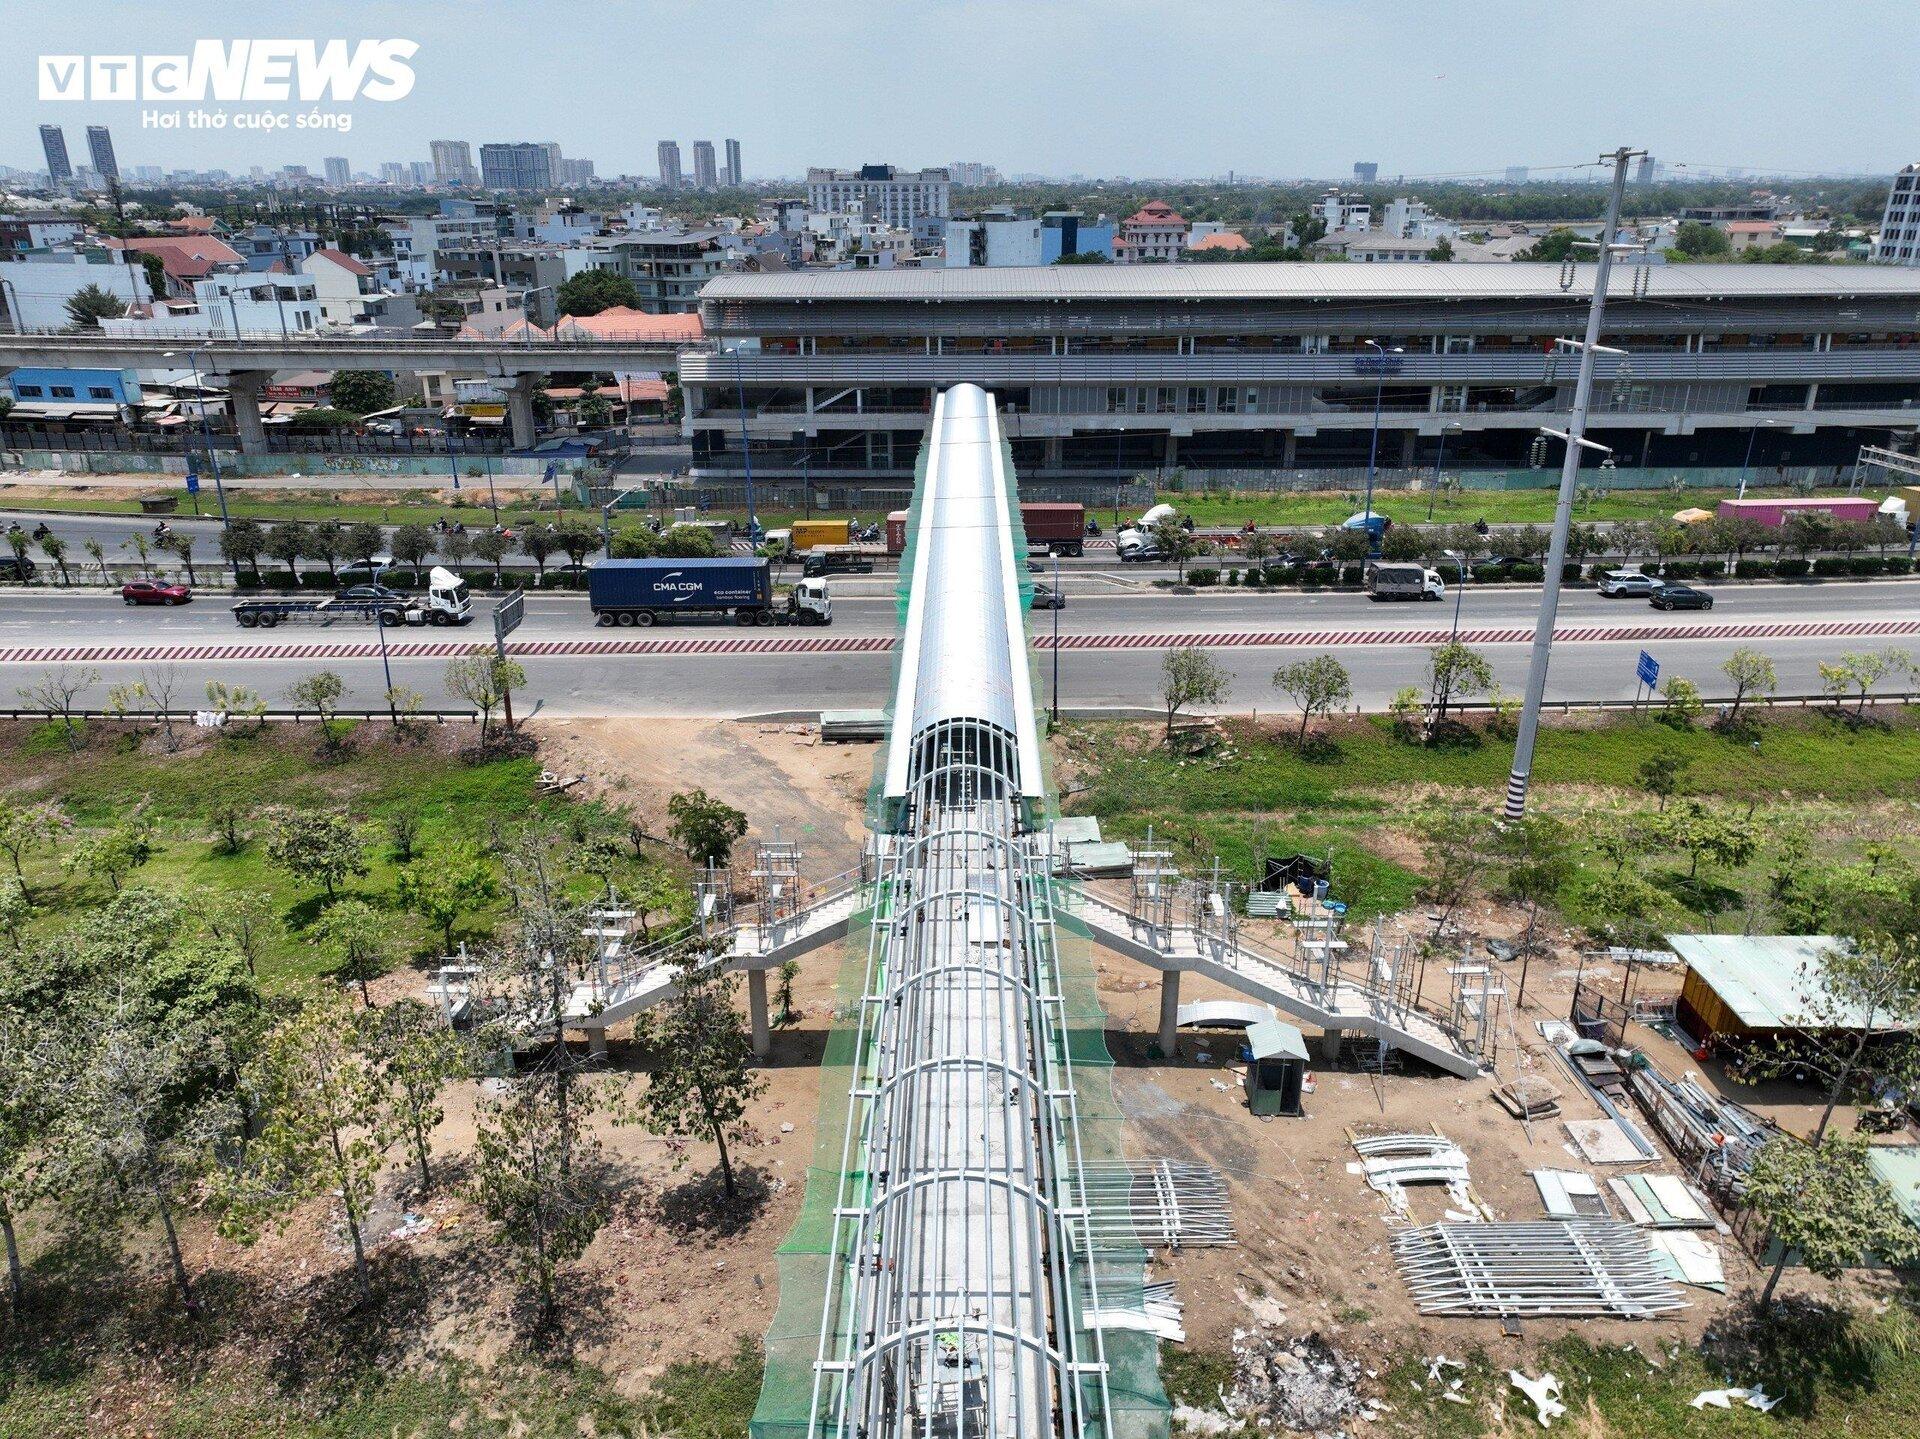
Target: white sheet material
(1603, 1142)
(1695, 1261)
(1544, 1392)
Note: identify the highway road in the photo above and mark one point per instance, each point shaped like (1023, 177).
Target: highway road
(1113, 637)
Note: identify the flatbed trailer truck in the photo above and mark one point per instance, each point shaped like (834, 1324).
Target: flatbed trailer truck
(446, 602)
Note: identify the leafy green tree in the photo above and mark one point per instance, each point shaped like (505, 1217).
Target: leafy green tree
(324, 1135)
(1750, 673)
(315, 844)
(97, 553)
(246, 920)
(112, 854)
(30, 1085)
(1697, 240)
(539, 542)
(243, 542)
(1683, 704)
(412, 545)
(181, 544)
(16, 908)
(577, 540)
(454, 548)
(361, 392)
(1822, 1202)
(591, 291)
(320, 692)
(362, 540)
(142, 1118)
(485, 681)
(594, 411)
(287, 542)
(1190, 676)
(142, 549)
(1538, 852)
(359, 940)
(492, 549)
(687, 542)
(704, 827)
(89, 305)
(1459, 847)
(1661, 774)
(536, 1179)
(703, 1077)
(418, 1054)
(1455, 671)
(1317, 685)
(445, 883)
(325, 542)
(28, 826)
(1176, 543)
(1555, 245)
(55, 549)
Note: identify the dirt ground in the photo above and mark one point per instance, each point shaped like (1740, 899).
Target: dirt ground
(1313, 1252)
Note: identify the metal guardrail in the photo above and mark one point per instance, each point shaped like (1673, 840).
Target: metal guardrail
(1655, 704)
(278, 716)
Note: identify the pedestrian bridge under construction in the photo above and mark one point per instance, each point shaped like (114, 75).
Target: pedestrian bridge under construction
(947, 1275)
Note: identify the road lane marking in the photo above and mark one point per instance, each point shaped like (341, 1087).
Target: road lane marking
(786, 644)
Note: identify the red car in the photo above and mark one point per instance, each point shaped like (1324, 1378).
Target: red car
(152, 592)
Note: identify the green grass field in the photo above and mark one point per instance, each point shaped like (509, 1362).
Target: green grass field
(406, 507)
(376, 779)
(1404, 507)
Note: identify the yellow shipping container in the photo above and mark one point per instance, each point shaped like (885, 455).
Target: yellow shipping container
(811, 534)
(1911, 494)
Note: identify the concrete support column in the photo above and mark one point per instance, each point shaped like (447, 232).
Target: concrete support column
(1330, 1045)
(1173, 452)
(1169, 1012)
(597, 1042)
(1407, 443)
(757, 1012)
(519, 391)
(1051, 461)
(1287, 455)
(244, 387)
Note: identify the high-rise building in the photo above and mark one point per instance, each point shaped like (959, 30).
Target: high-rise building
(338, 172)
(973, 172)
(1366, 172)
(420, 172)
(670, 174)
(892, 196)
(735, 175)
(453, 163)
(1899, 242)
(1647, 171)
(393, 172)
(576, 172)
(1516, 174)
(703, 171)
(100, 146)
(519, 166)
(53, 140)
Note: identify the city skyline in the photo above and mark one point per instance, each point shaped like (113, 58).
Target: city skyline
(1031, 109)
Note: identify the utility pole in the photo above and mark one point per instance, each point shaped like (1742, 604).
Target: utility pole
(1522, 770)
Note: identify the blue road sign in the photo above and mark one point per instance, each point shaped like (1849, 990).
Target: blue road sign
(1649, 670)
(193, 483)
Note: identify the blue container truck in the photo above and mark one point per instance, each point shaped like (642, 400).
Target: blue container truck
(659, 591)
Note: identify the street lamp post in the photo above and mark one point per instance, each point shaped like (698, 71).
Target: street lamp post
(1522, 771)
(1440, 451)
(1373, 448)
(1746, 465)
(13, 306)
(746, 448)
(206, 436)
(1459, 593)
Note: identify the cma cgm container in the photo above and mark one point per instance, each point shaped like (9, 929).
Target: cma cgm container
(1776, 512)
(1051, 528)
(645, 592)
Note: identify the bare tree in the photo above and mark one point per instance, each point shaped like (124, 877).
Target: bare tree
(54, 693)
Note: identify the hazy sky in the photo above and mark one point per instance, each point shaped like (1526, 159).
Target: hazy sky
(1097, 87)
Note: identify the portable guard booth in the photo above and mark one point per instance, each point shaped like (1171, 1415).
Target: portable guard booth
(1278, 1067)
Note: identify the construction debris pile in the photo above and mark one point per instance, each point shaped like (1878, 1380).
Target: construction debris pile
(1715, 1138)
(1300, 1383)
(1539, 1268)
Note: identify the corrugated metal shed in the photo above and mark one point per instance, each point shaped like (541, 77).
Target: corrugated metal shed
(1303, 280)
(1764, 981)
(1276, 1039)
(1898, 1167)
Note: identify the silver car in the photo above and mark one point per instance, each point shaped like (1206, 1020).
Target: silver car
(1627, 582)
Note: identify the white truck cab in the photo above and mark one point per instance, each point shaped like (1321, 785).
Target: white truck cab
(447, 595)
(810, 598)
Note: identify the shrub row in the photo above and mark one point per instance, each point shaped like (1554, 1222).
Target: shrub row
(279, 581)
